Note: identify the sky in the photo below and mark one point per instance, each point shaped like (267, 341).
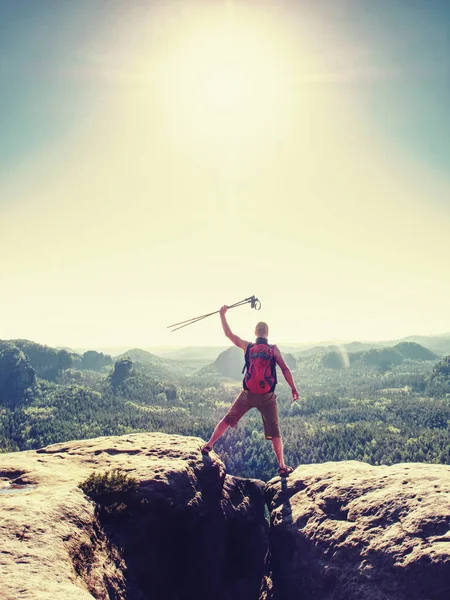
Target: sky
(160, 159)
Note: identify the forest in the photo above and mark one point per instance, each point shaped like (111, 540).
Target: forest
(377, 405)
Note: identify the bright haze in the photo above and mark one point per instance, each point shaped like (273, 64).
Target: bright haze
(160, 159)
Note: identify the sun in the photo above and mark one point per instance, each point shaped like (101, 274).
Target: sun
(227, 75)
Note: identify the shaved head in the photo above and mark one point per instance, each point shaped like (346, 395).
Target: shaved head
(262, 330)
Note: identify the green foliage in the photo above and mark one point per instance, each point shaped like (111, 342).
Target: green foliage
(359, 413)
(46, 361)
(333, 360)
(99, 485)
(16, 376)
(89, 379)
(413, 351)
(438, 384)
(381, 359)
(95, 361)
(155, 366)
(112, 491)
(65, 360)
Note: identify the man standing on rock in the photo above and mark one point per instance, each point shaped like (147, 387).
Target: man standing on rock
(259, 388)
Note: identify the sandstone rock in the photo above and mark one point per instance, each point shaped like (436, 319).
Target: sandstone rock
(350, 530)
(190, 532)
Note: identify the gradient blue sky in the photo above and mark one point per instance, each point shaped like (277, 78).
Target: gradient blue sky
(71, 74)
(48, 63)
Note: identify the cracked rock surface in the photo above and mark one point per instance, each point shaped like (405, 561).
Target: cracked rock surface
(192, 532)
(350, 530)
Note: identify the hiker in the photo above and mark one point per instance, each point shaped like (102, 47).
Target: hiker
(259, 385)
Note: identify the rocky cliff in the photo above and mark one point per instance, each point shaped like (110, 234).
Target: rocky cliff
(337, 530)
(189, 531)
(355, 532)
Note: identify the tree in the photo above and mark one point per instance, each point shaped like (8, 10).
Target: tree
(95, 361)
(16, 376)
(438, 383)
(65, 360)
(332, 360)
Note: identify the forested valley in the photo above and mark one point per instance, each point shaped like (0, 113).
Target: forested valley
(378, 405)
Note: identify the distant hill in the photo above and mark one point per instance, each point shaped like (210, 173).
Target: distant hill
(152, 365)
(230, 363)
(49, 362)
(439, 344)
(45, 360)
(202, 353)
(414, 351)
(378, 358)
(436, 343)
(159, 367)
(142, 356)
(350, 347)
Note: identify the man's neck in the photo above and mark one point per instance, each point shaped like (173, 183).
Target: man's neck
(261, 340)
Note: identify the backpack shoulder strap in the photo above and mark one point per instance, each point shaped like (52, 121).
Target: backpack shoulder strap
(247, 358)
(273, 363)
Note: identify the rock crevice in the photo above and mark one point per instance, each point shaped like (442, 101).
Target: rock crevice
(188, 531)
(349, 531)
(337, 530)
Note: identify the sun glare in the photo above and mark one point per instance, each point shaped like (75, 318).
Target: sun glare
(226, 75)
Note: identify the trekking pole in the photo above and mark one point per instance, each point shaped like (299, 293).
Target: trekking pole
(241, 302)
(191, 321)
(252, 300)
(255, 303)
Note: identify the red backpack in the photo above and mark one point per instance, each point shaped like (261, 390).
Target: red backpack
(260, 364)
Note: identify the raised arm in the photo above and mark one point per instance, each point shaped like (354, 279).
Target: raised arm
(286, 372)
(227, 331)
